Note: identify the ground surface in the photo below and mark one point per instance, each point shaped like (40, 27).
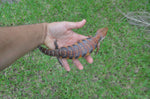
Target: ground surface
(121, 68)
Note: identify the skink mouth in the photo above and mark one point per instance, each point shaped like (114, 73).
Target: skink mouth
(101, 38)
(102, 32)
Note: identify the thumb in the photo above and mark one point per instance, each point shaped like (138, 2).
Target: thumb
(75, 25)
(49, 42)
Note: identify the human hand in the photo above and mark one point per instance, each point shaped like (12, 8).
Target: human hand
(62, 32)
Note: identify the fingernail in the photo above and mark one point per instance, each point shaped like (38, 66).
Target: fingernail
(81, 68)
(83, 20)
(68, 69)
(91, 61)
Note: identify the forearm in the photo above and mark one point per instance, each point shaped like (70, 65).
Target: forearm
(16, 41)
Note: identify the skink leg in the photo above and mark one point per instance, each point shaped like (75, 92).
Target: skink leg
(56, 45)
(98, 46)
(89, 36)
(59, 59)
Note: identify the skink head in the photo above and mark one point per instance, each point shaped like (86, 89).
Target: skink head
(101, 33)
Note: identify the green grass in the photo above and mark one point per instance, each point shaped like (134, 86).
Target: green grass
(120, 70)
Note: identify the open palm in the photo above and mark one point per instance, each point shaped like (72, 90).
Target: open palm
(62, 32)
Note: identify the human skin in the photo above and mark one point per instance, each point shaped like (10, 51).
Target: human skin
(17, 41)
(62, 32)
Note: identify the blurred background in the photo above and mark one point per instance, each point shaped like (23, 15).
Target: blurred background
(121, 69)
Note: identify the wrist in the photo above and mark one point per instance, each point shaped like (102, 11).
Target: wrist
(44, 33)
(48, 38)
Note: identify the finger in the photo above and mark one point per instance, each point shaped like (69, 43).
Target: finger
(78, 64)
(71, 40)
(49, 42)
(66, 65)
(89, 59)
(75, 25)
(78, 36)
